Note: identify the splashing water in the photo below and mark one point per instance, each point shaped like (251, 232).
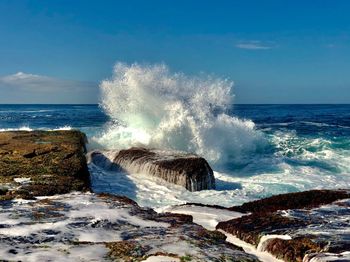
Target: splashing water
(308, 148)
(149, 105)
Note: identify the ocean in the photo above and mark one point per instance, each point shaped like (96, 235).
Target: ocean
(257, 150)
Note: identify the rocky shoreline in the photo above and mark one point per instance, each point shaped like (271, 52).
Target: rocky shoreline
(42, 163)
(48, 210)
(296, 226)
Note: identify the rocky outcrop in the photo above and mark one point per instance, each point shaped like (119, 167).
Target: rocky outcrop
(187, 170)
(42, 163)
(296, 226)
(297, 200)
(105, 228)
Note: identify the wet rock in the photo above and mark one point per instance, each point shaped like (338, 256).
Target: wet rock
(327, 256)
(187, 170)
(3, 190)
(126, 250)
(34, 163)
(293, 249)
(314, 222)
(13, 251)
(251, 227)
(113, 227)
(306, 199)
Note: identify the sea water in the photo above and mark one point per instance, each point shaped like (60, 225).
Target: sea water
(255, 150)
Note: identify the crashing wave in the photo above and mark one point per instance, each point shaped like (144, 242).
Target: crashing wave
(151, 106)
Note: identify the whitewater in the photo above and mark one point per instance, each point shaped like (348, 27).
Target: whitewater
(255, 150)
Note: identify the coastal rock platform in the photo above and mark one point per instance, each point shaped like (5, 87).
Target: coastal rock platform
(47, 215)
(304, 226)
(101, 227)
(34, 163)
(42, 219)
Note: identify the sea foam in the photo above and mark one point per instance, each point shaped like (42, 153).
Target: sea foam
(152, 106)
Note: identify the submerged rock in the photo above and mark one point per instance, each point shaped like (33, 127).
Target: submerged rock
(42, 163)
(187, 170)
(294, 226)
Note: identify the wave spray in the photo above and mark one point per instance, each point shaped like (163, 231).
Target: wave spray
(153, 107)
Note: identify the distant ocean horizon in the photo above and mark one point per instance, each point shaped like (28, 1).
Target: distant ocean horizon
(95, 104)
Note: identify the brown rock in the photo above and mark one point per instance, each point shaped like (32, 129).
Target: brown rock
(51, 162)
(306, 199)
(292, 250)
(268, 217)
(187, 170)
(250, 228)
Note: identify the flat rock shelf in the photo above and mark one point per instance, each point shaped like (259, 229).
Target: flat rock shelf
(42, 163)
(91, 227)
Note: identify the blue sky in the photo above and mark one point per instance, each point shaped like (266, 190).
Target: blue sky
(275, 51)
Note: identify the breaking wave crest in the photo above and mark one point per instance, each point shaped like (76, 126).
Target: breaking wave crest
(149, 105)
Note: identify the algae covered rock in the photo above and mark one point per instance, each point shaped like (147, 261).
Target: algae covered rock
(36, 163)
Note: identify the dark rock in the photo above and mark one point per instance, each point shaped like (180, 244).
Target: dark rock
(313, 229)
(187, 170)
(13, 251)
(120, 199)
(3, 190)
(293, 249)
(306, 199)
(250, 228)
(41, 158)
(207, 205)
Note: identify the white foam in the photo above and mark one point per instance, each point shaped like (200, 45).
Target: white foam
(22, 128)
(57, 252)
(325, 257)
(250, 249)
(209, 217)
(161, 259)
(66, 127)
(205, 216)
(27, 128)
(22, 180)
(82, 206)
(150, 105)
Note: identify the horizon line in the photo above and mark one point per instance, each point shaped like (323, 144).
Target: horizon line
(96, 104)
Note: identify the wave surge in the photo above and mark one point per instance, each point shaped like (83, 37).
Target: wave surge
(151, 106)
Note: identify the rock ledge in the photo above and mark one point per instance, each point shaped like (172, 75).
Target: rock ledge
(40, 163)
(187, 170)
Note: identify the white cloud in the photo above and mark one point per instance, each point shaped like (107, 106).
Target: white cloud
(24, 87)
(40, 83)
(254, 45)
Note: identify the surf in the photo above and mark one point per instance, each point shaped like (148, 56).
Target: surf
(151, 106)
